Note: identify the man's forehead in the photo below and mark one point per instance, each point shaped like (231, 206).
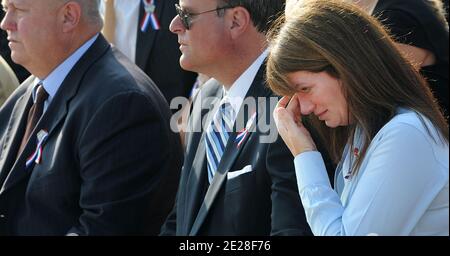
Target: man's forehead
(5, 2)
(27, 2)
(197, 3)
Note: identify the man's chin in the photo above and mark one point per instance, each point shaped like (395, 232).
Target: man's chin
(16, 58)
(186, 65)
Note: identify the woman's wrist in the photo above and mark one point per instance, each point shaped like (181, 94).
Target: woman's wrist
(304, 150)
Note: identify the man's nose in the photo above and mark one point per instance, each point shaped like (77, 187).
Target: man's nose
(7, 23)
(176, 26)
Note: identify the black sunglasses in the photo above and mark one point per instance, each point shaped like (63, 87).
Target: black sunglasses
(186, 17)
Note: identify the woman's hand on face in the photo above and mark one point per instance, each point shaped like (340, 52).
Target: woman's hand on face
(287, 115)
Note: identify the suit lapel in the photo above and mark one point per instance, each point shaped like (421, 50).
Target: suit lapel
(57, 110)
(145, 40)
(232, 150)
(14, 132)
(197, 176)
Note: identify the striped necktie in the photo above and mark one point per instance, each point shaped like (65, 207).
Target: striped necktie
(217, 136)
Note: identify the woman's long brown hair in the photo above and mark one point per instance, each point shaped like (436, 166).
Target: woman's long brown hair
(337, 37)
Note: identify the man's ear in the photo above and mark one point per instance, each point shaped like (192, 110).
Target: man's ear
(70, 16)
(239, 20)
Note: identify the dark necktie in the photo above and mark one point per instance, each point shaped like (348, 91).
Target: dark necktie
(34, 115)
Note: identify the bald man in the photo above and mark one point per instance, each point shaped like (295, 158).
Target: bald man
(83, 141)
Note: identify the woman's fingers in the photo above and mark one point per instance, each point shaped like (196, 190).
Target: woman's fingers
(298, 112)
(293, 104)
(280, 105)
(285, 122)
(294, 109)
(287, 116)
(283, 102)
(295, 136)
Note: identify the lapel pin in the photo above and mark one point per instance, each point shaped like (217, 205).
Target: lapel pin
(240, 138)
(356, 152)
(149, 16)
(349, 172)
(36, 157)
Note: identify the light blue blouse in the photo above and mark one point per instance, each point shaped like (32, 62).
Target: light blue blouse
(400, 189)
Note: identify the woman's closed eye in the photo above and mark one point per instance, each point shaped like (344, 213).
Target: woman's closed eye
(303, 89)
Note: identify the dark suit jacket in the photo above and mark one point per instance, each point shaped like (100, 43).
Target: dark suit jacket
(264, 201)
(158, 54)
(106, 166)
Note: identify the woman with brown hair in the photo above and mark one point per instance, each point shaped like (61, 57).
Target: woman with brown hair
(421, 32)
(337, 66)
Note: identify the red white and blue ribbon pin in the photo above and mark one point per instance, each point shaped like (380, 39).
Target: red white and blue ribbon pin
(244, 132)
(355, 154)
(36, 157)
(150, 16)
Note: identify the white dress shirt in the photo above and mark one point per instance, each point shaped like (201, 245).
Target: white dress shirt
(237, 92)
(400, 189)
(127, 15)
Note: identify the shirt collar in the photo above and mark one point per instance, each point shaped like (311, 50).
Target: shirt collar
(54, 80)
(236, 94)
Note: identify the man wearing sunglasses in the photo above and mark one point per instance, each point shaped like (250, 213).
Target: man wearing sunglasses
(233, 182)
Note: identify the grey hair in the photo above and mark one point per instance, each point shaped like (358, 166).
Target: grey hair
(89, 10)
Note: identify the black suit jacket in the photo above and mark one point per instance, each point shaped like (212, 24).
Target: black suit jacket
(106, 168)
(264, 201)
(158, 54)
